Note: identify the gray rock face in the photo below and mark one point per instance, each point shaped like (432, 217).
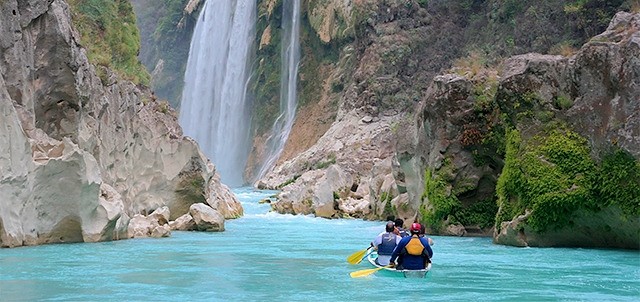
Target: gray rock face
(595, 92)
(607, 77)
(601, 84)
(349, 173)
(80, 155)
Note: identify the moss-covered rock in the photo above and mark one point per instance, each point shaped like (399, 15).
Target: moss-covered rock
(330, 19)
(559, 166)
(552, 181)
(108, 30)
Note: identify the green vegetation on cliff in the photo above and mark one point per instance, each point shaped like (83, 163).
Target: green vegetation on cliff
(441, 192)
(553, 175)
(109, 33)
(314, 53)
(166, 37)
(266, 84)
(443, 204)
(501, 28)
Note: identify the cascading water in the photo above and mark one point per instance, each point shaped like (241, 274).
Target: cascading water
(215, 108)
(288, 83)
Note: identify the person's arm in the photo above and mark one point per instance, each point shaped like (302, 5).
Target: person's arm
(377, 241)
(425, 242)
(396, 251)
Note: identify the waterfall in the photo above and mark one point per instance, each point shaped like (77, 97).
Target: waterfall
(288, 83)
(215, 108)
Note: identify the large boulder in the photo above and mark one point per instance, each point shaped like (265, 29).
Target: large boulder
(206, 219)
(596, 94)
(183, 223)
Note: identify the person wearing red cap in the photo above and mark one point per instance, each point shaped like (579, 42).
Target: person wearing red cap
(413, 252)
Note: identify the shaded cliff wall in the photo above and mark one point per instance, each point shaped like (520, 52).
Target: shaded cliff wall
(165, 29)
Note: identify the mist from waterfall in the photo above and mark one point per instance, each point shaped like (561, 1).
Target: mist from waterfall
(215, 108)
(288, 83)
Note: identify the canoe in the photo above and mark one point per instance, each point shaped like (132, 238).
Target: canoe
(392, 272)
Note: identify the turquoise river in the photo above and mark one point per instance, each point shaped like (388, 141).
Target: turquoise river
(265, 256)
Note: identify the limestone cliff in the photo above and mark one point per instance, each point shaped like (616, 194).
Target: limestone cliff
(80, 153)
(585, 169)
(433, 150)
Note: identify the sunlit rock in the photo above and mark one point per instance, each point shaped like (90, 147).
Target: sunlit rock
(141, 226)
(183, 223)
(221, 199)
(354, 149)
(206, 218)
(161, 215)
(154, 225)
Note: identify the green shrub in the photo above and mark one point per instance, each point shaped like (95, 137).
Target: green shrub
(288, 182)
(442, 202)
(563, 102)
(618, 182)
(109, 33)
(481, 213)
(554, 176)
(326, 163)
(389, 209)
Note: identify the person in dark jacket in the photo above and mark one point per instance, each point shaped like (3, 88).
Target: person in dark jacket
(400, 231)
(413, 252)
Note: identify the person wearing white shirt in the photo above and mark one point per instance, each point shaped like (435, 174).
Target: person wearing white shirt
(385, 243)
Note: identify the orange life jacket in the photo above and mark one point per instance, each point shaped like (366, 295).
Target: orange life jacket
(415, 247)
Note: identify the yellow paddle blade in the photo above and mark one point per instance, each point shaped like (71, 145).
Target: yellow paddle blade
(356, 257)
(365, 272)
(363, 257)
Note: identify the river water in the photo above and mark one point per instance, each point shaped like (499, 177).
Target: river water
(265, 256)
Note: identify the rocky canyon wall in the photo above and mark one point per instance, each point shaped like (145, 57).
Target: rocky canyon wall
(432, 149)
(82, 150)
